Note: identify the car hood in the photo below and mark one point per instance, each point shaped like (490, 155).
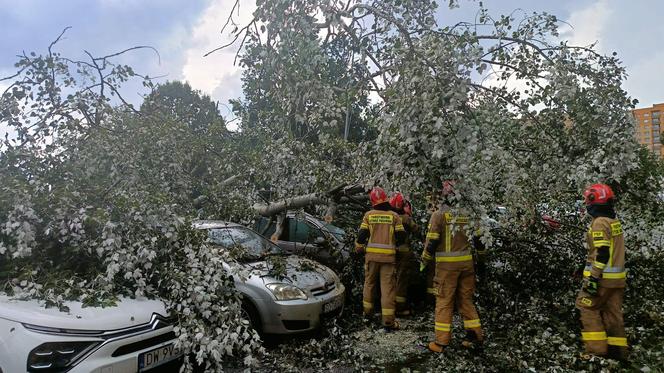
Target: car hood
(127, 313)
(301, 272)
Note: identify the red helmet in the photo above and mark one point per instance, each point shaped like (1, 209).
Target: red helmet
(408, 208)
(397, 201)
(377, 196)
(448, 187)
(598, 194)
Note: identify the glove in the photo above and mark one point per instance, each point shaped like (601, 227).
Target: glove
(592, 285)
(359, 248)
(424, 260)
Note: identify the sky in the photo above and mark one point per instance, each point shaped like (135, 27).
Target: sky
(183, 31)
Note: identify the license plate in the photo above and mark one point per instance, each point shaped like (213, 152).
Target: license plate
(157, 357)
(333, 304)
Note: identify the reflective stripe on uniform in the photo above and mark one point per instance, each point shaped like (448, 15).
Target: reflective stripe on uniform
(364, 226)
(599, 265)
(432, 291)
(381, 219)
(399, 228)
(593, 336)
(388, 311)
(433, 236)
(453, 256)
(367, 304)
(426, 255)
(609, 273)
(381, 245)
(608, 276)
(601, 243)
(403, 249)
(442, 327)
(448, 259)
(448, 237)
(401, 299)
(375, 250)
(471, 324)
(617, 341)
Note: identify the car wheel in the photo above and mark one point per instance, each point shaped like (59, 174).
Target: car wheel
(249, 312)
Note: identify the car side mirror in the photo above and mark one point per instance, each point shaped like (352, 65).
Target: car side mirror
(320, 240)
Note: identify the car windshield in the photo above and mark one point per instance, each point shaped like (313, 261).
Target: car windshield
(251, 244)
(336, 231)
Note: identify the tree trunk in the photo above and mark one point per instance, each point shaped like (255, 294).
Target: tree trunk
(274, 208)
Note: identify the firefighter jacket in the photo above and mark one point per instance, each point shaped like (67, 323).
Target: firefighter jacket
(606, 252)
(381, 232)
(411, 228)
(447, 243)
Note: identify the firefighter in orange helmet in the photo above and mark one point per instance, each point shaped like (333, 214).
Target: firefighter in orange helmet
(600, 300)
(454, 282)
(381, 232)
(404, 253)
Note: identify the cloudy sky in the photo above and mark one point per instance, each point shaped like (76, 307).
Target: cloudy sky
(183, 31)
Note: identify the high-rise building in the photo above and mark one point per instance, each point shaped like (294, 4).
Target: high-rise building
(647, 127)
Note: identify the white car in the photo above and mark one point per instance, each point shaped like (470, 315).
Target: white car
(134, 336)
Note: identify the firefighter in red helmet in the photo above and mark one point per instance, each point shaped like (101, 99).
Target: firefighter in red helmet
(600, 300)
(404, 253)
(454, 281)
(381, 232)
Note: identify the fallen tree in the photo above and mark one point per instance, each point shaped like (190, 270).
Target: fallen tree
(351, 195)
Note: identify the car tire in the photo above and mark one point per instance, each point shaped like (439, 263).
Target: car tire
(250, 313)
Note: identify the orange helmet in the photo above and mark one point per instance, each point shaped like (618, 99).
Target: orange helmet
(408, 208)
(377, 196)
(598, 194)
(397, 201)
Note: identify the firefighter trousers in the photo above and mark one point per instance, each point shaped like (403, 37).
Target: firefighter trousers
(404, 264)
(603, 332)
(386, 274)
(456, 287)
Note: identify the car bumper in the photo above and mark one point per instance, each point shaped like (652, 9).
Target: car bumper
(103, 361)
(297, 316)
(112, 355)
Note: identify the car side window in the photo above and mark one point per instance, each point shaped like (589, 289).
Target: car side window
(269, 230)
(301, 231)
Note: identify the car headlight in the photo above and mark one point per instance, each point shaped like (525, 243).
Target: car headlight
(286, 291)
(57, 356)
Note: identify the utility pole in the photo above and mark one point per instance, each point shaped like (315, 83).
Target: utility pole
(348, 105)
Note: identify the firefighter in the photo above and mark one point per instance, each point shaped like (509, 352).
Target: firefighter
(454, 281)
(600, 299)
(381, 232)
(404, 253)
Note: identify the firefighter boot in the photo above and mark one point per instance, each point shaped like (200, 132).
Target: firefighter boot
(471, 341)
(435, 347)
(392, 327)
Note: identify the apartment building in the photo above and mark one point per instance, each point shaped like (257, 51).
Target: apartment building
(648, 127)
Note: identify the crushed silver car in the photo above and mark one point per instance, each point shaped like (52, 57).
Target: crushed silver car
(282, 293)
